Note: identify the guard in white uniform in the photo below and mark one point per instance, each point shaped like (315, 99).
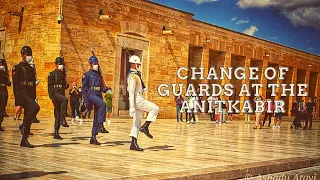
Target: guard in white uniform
(138, 105)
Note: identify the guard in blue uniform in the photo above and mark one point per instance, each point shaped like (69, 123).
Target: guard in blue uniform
(92, 88)
(4, 82)
(24, 89)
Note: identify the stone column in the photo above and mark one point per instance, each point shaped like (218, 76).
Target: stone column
(227, 64)
(263, 80)
(205, 64)
(317, 94)
(293, 81)
(278, 90)
(306, 81)
(245, 81)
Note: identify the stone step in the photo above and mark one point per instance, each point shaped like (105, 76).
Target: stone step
(123, 112)
(245, 170)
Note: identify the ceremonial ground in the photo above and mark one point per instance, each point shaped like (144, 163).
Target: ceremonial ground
(178, 150)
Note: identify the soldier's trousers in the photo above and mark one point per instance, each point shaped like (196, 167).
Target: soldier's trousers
(31, 109)
(142, 106)
(60, 103)
(99, 112)
(3, 103)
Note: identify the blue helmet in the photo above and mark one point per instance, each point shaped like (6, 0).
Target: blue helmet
(93, 60)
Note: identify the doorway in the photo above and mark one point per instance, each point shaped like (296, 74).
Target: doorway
(2, 37)
(123, 100)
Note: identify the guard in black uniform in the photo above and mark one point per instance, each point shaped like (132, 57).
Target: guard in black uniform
(4, 82)
(57, 84)
(35, 120)
(24, 89)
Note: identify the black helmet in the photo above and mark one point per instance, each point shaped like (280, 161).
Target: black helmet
(26, 50)
(59, 61)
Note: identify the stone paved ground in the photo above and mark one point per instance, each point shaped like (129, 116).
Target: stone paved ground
(177, 150)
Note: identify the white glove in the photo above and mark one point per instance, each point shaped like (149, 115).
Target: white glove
(145, 89)
(131, 111)
(37, 82)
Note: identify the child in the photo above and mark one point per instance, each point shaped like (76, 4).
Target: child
(108, 102)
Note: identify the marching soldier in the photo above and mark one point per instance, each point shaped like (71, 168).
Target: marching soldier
(35, 120)
(4, 82)
(92, 86)
(138, 105)
(24, 89)
(57, 84)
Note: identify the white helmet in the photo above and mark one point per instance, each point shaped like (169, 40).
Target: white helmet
(135, 59)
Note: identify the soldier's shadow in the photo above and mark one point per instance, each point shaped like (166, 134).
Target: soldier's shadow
(51, 134)
(34, 129)
(117, 143)
(30, 174)
(79, 138)
(157, 148)
(56, 144)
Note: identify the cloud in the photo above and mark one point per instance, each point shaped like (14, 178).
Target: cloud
(244, 4)
(242, 22)
(251, 30)
(234, 18)
(299, 12)
(274, 38)
(203, 1)
(304, 17)
(310, 48)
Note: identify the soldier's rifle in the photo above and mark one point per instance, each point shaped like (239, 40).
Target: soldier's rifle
(61, 55)
(125, 47)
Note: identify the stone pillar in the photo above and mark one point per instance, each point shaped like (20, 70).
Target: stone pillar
(278, 90)
(227, 64)
(205, 64)
(293, 81)
(317, 94)
(306, 81)
(245, 81)
(263, 80)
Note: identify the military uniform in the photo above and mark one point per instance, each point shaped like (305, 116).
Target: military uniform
(138, 105)
(24, 89)
(4, 82)
(92, 88)
(57, 84)
(35, 120)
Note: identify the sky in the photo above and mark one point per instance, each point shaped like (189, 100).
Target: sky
(293, 23)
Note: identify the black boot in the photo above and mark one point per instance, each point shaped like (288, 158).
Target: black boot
(102, 129)
(23, 131)
(35, 120)
(145, 129)
(25, 143)
(94, 140)
(64, 122)
(1, 119)
(134, 145)
(56, 135)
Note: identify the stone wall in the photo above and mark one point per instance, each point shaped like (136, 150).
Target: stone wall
(41, 32)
